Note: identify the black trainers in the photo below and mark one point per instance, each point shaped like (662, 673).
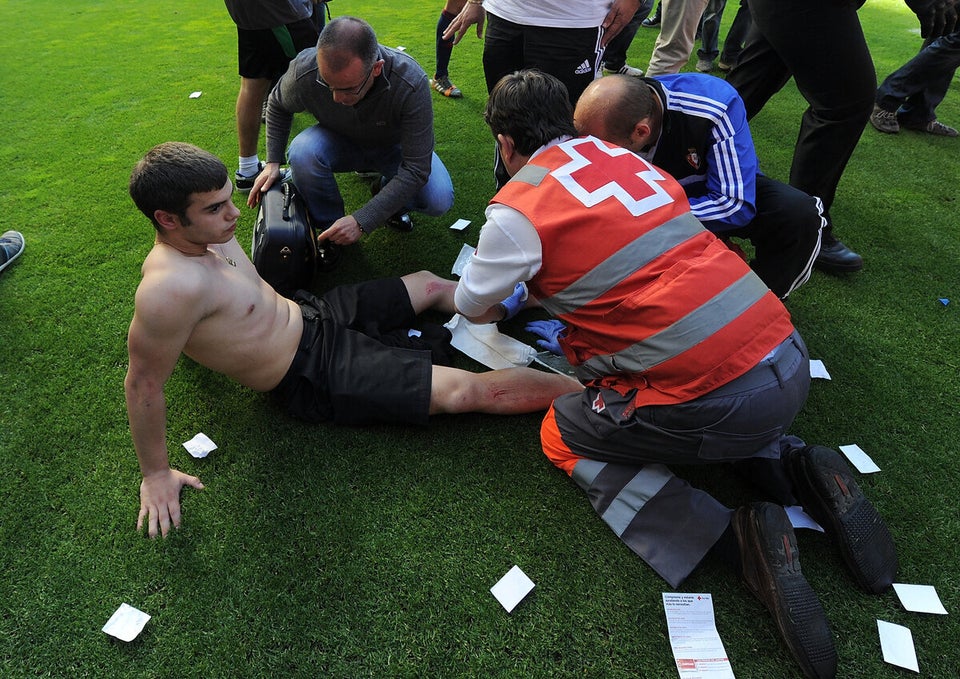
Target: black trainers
(244, 183)
(401, 222)
(824, 484)
(771, 571)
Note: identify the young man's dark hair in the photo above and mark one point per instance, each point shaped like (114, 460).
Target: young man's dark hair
(531, 125)
(165, 178)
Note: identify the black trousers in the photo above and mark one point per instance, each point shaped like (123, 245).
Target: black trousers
(785, 235)
(820, 43)
(572, 55)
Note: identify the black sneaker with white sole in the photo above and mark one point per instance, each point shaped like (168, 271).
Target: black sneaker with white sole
(244, 183)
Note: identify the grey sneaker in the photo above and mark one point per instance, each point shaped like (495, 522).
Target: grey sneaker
(704, 65)
(11, 247)
(933, 127)
(626, 69)
(884, 121)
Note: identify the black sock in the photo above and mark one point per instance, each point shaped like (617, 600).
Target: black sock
(444, 47)
(728, 549)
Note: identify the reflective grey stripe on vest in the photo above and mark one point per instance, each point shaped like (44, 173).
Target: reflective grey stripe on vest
(618, 498)
(624, 263)
(530, 174)
(698, 325)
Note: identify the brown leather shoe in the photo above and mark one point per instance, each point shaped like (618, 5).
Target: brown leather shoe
(824, 485)
(771, 571)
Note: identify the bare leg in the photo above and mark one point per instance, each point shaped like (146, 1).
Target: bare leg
(429, 291)
(249, 108)
(498, 392)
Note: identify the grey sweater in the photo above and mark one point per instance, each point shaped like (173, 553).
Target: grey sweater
(397, 110)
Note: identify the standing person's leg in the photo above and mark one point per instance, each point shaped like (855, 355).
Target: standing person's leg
(653, 21)
(678, 27)
(503, 44)
(444, 49)
(821, 44)
(319, 17)
(736, 37)
(502, 49)
(263, 56)
(759, 74)
(250, 99)
(710, 35)
(915, 90)
(615, 56)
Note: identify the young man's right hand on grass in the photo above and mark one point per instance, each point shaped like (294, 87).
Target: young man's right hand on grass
(160, 500)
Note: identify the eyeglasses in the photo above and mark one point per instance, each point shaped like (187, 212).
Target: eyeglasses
(346, 90)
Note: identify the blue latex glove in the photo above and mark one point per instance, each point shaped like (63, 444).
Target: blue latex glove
(551, 331)
(513, 303)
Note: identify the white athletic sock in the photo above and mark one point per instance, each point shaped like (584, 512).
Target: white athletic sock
(249, 165)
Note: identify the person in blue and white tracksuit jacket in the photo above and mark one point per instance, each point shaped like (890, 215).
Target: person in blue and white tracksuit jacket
(694, 127)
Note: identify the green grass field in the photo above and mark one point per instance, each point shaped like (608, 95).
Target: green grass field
(326, 551)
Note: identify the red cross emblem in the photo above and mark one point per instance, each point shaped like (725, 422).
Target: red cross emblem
(597, 172)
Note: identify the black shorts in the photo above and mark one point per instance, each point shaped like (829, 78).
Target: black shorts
(266, 53)
(348, 367)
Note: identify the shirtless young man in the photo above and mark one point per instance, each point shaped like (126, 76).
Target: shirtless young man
(201, 296)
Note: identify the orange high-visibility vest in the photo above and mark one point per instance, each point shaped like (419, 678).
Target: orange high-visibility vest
(651, 299)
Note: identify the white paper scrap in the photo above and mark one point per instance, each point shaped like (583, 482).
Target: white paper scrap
(401, 48)
(200, 445)
(818, 369)
(511, 588)
(466, 252)
(800, 519)
(897, 644)
(919, 598)
(697, 648)
(859, 459)
(126, 623)
(195, 95)
(460, 224)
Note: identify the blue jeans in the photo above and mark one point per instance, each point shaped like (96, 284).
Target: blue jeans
(317, 153)
(918, 87)
(710, 30)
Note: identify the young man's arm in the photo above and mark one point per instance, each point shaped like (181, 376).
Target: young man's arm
(158, 332)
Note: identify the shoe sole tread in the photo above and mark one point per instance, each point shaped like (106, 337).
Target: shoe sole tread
(778, 582)
(849, 517)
